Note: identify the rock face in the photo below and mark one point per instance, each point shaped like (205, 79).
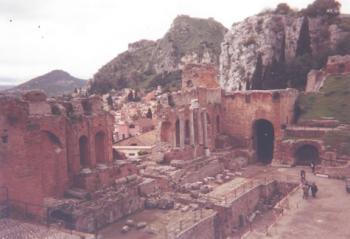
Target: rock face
(255, 51)
(54, 83)
(147, 64)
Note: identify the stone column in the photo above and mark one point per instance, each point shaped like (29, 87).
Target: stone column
(174, 136)
(205, 127)
(191, 127)
(200, 126)
(182, 133)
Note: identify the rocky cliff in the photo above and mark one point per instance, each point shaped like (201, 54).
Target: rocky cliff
(276, 49)
(147, 64)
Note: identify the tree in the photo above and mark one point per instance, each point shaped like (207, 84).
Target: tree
(323, 7)
(136, 97)
(149, 114)
(284, 9)
(110, 101)
(131, 96)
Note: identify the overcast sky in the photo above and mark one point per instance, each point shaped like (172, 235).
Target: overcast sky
(79, 36)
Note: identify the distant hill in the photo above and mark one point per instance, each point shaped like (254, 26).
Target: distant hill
(6, 87)
(147, 64)
(54, 83)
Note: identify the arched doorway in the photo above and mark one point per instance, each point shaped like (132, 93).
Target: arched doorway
(306, 154)
(177, 133)
(218, 124)
(165, 132)
(187, 132)
(100, 147)
(84, 151)
(264, 138)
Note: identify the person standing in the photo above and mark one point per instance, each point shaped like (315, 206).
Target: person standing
(312, 165)
(314, 189)
(305, 188)
(302, 176)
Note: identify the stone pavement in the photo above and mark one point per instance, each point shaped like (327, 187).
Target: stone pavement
(13, 229)
(324, 217)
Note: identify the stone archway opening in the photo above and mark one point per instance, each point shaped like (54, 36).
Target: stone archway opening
(218, 124)
(177, 133)
(306, 154)
(100, 147)
(84, 151)
(165, 132)
(187, 132)
(264, 138)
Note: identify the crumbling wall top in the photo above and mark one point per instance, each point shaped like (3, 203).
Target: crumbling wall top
(34, 96)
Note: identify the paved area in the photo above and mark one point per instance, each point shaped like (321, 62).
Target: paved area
(13, 229)
(325, 217)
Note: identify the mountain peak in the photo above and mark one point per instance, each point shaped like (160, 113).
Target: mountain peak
(53, 83)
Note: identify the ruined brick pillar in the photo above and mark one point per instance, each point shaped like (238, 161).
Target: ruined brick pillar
(200, 127)
(182, 133)
(205, 127)
(191, 128)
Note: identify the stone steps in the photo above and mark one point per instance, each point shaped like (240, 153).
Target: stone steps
(306, 132)
(320, 123)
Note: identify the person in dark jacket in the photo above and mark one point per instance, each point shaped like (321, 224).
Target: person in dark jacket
(314, 189)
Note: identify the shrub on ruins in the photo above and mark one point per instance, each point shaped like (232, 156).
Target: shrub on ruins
(86, 107)
(140, 153)
(284, 9)
(55, 110)
(110, 101)
(167, 80)
(149, 114)
(322, 8)
(131, 96)
(343, 47)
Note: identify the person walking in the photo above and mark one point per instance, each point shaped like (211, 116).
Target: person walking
(313, 166)
(314, 189)
(302, 176)
(306, 188)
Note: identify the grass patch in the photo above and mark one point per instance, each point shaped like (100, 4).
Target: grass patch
(342, 22)
(332, 101)
(339, 140)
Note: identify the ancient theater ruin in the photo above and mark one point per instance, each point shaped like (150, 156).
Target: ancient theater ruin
(211, 168)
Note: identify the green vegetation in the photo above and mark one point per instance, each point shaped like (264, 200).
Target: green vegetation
(332, 101)
(339, 140)
(342, 22)
(322, 8)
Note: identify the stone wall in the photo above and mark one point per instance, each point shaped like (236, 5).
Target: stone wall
(40, 150)
(204, 229)
(235, 214)
(242, 109)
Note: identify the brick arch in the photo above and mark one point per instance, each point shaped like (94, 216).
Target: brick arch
(100, 147)
(165, 131)
(84, 151)
(263, 136)
(297, 147)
